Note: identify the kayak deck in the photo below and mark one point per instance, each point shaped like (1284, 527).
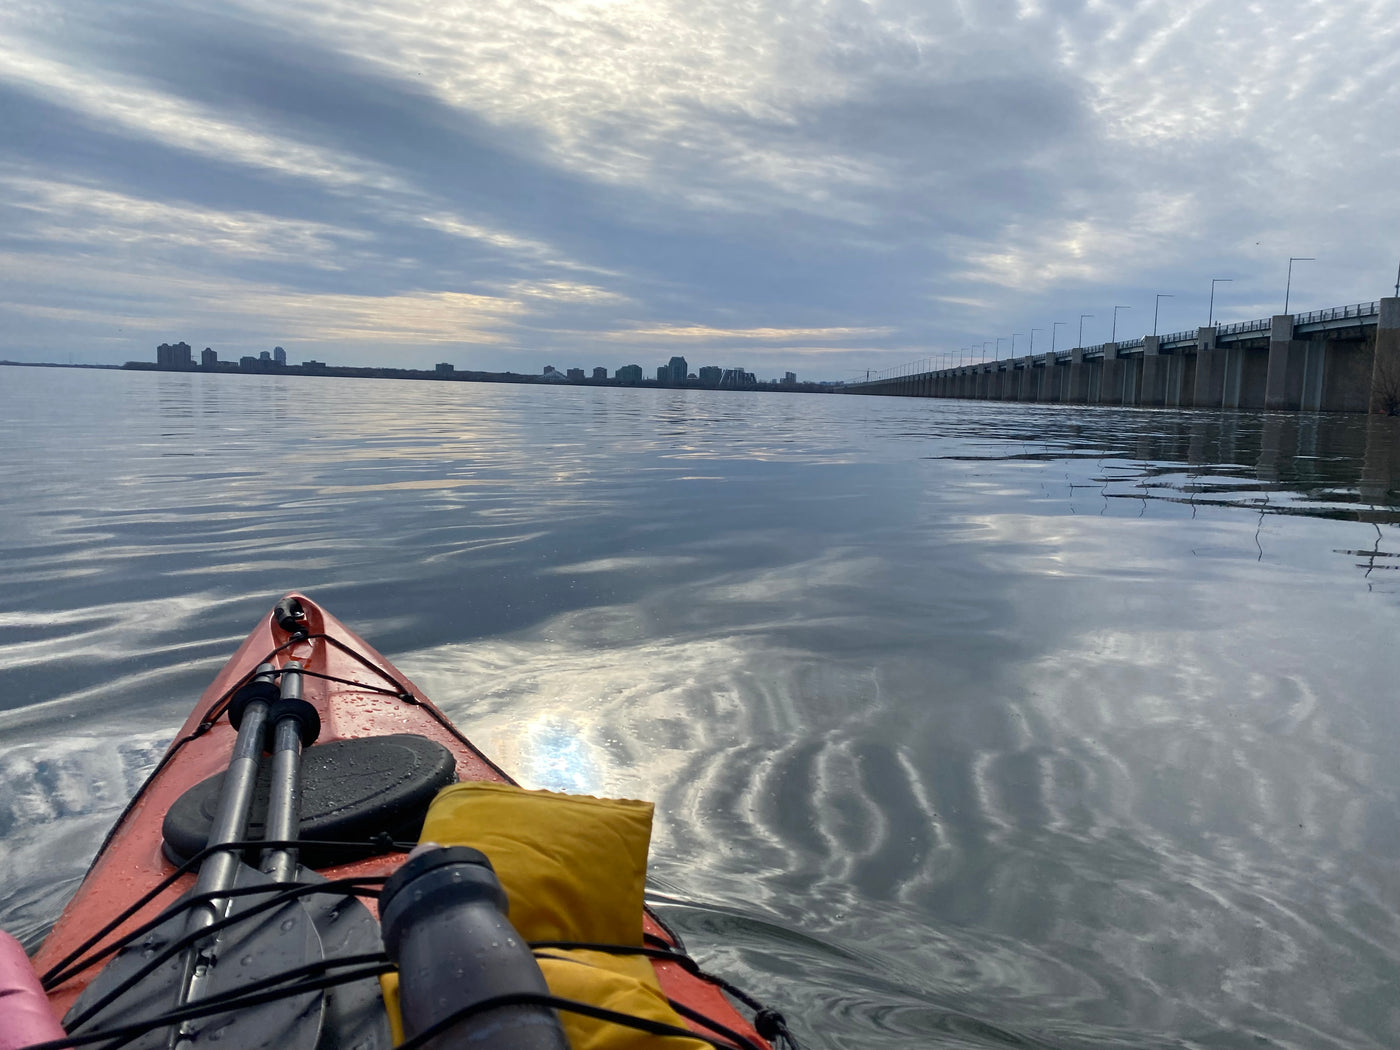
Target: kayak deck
(357, 694)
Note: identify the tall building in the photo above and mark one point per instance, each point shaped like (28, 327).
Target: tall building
(663, 374)
(629, 374)
(789, 379)
(738, 379)
(600, 372)
(677, 369)
(710, 375)
(575, 374)
(444, 369)
(279, 357)
(174, 355)
(208, 359)
(264, 358)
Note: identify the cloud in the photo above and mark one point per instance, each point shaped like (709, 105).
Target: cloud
(71, 213)
(875, 177)
(108, 99)
(565, 292)
(702, 333)
(258, 313)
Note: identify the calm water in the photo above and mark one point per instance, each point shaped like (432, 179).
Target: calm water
(968, 724)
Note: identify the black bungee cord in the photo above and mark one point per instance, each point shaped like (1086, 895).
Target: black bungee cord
(58, 973)
(179, 944)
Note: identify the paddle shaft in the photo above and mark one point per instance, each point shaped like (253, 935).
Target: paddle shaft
(231, 818)
(284, 801)
(219, 871)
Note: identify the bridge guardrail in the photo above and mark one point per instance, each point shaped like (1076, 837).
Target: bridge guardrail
(1244, 326)
(1339, 313)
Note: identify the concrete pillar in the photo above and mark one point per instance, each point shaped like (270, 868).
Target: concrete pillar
(1209, 390)
(1093, 381)
(1111, 381)
(1283, 389)
(1176, 377)
(1049, 379)
(1078, 389)
(1191, 366)
(1234, 370)
(1154, 365)
(1314, 375)
(1385, 372)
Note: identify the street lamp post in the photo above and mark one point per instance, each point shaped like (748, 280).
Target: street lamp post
(1081, 329)
(1114, 337)
(1053, 329)
(985, 343)
(1213, 282)
(1031, 351)
(1289, 286)
(1157, 305)
(998, 354)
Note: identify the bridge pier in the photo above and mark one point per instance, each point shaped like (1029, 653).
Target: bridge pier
(1283, 384)
(1111, 381)
(1049, 380)
(1180, 376)
(1209, 389)
(1154, 380)
(1078, 391)
(1385, 370)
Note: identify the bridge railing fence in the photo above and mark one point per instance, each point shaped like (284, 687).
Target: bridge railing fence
(1339, 313)
(1243, 326)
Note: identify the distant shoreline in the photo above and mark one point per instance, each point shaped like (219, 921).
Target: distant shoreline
(56, 364)
(420, 374)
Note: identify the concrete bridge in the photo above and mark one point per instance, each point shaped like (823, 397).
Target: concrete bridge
(1346, 359)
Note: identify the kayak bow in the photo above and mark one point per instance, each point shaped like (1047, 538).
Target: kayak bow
(326, 824)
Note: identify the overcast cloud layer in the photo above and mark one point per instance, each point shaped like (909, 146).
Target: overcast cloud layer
(821, 187)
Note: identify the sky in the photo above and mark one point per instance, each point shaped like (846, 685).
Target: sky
(817, 187)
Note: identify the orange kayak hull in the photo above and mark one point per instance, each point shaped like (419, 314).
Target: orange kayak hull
(132, 861)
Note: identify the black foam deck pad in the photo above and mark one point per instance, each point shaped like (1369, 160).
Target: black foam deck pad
(351, 791)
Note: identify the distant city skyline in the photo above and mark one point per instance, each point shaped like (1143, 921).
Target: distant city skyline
(674, 373)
